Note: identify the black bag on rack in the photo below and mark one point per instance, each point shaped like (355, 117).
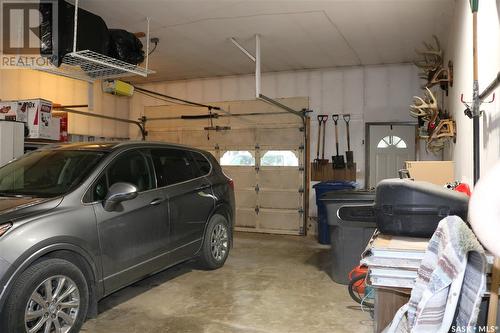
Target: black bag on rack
(404, 207)
(126, 46)
(93, 34)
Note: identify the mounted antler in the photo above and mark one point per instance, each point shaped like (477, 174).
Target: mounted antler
(432, 58)
(444, 132)
(426, 107)
(432, 67)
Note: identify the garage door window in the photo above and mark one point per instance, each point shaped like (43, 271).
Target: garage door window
(282, 158)
(237, 158)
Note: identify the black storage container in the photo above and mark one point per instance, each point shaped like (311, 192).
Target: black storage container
(350, 218)
(57, 31)
(413, 208)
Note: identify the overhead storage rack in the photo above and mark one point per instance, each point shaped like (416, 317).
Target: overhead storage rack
(90, 66)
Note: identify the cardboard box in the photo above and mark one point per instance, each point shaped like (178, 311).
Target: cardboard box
(23, 110)
(63, 128)
(39, 117)
(55, 129)
(8, 111)
(436, 172)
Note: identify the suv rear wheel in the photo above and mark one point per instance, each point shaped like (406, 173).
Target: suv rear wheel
(216, 243)
(51, 295)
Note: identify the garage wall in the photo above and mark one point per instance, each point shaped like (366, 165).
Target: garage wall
(460, 51)
(26, 84)
(370, 93)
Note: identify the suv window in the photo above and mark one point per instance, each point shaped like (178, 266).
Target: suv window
(173, 166)
(203, 166)
(131, 167)
(48, 173)
(100, 189)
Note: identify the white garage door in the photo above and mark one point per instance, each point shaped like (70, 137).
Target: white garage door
(263, 154)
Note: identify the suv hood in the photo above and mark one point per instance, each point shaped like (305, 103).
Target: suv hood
(16, 208)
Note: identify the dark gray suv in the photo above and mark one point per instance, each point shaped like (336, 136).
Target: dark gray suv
(80, 221)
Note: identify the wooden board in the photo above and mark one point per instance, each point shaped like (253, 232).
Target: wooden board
(324, 172)
(387, 303)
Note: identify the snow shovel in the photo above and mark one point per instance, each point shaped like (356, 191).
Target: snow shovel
(337, 160)
(322, 119)
(349, 154)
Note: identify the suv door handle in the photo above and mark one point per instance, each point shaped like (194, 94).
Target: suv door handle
(156, 202)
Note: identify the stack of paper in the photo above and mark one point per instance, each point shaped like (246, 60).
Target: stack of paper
(393, 260)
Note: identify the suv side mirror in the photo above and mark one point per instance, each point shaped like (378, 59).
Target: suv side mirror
(117, 193)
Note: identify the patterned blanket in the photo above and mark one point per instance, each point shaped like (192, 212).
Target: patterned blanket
(450, 283)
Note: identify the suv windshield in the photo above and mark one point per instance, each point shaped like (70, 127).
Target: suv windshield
(47, 173)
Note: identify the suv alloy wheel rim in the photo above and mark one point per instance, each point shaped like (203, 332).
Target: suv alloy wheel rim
(219, 242)
(53, 306)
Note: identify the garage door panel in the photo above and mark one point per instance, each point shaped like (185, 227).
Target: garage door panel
(267, 193)
(287, 199)
(194, 138)
(280, 219)
(243, 177)
(246, 198)
(234, 137)
(284, 136)
(164, 136)
(246, 218)
(279, 178)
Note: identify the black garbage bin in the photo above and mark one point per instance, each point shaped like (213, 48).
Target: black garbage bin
(351, 218)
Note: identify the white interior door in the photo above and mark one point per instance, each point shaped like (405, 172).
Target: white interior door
(390, 147)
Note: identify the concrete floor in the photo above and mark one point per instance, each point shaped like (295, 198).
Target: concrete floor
(269, 284)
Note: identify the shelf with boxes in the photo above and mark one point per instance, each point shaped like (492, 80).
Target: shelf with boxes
(37, 116)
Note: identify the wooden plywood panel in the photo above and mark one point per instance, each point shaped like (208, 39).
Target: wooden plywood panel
(28, 84)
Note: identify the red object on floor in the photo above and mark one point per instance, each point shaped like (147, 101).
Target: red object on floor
(360, 285)
(464, 188)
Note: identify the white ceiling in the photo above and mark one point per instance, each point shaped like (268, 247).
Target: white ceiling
(194, 34)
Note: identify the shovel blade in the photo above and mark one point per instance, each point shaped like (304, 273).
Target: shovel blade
(350, 158)
(338, 162)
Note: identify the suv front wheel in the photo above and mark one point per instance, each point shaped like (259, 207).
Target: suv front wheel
(49, 296)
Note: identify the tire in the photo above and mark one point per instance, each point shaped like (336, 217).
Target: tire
(216, 243)
(69, 312)
(354, 294)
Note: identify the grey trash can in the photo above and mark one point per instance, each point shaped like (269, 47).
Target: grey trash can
(351, 219)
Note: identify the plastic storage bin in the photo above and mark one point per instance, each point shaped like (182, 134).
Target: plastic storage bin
(322, 188)
(404, 207)
(350, 231)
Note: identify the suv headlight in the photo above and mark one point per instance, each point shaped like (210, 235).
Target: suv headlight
(4, 228)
